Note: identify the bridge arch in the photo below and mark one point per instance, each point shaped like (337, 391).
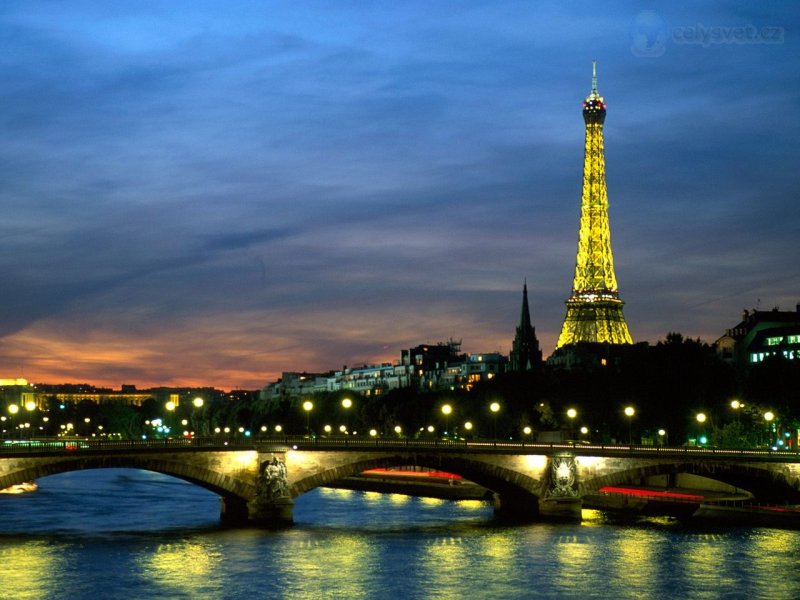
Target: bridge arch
(515, 492)
(225, 486)
(765, 484)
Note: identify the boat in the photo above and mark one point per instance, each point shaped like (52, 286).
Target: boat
(21, 488)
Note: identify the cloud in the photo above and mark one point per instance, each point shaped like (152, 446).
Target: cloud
(198, 196)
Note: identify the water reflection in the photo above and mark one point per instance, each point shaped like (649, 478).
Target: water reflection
(27, 570)
(353, 545)
(182, 568)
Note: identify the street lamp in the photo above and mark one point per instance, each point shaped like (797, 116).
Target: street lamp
(495, 408)
(308, 406)
(446, 410)
(572, 413)
(736, 406)
(468, 426)
(198, 402)
(662, 434)
(629, 412)
(346, 404)
(769, 416)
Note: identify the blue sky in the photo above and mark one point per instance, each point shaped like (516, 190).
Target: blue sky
(215, 192)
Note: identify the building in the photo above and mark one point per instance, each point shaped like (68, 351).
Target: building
(525, 352)
(594, 310)
(761, 334)
(427, 367)
(18, 392)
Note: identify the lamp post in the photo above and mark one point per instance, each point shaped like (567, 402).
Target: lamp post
(346, 404)
(308, 407)
(662, 435)
(446, 410)
(629, 412)
(468, 427)
(13, 409)
(769, 416)
(495, 408)
(701, 419)
(572, 413)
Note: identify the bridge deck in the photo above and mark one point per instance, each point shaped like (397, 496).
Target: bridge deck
(50, 447)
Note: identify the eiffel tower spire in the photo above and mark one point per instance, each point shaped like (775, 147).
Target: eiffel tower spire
(594, 310)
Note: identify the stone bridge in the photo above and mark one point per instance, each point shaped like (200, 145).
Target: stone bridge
(258, 481)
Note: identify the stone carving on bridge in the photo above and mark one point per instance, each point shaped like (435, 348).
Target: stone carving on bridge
(563, 477)
(273, 481)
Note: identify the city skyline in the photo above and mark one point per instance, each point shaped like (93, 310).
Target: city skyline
(198, 196)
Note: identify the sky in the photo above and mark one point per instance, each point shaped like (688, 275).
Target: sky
(211, 193)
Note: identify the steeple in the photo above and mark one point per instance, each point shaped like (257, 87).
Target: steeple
(525, 352)
(594, 310)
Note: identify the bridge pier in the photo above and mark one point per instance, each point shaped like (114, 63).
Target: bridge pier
(272, 506)
(561, 499)
(516, 508)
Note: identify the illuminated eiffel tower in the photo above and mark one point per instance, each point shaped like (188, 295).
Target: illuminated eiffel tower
(594, 310)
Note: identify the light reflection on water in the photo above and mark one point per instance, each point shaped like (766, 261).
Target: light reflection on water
(130, 534)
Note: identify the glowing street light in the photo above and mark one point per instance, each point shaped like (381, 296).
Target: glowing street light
(198, 402)
(769, 417)
(347, 403)
(170, 406)
(701, 417)
(446, 410)
(308, 406)
(629, 412)
(30, 406)
(571, 414)
(527, 430)
(495, 408)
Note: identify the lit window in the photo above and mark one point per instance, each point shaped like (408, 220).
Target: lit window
(773, 341)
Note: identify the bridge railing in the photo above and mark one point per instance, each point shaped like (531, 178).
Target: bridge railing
(69, 445)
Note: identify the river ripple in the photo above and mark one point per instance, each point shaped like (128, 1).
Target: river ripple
(119, 533)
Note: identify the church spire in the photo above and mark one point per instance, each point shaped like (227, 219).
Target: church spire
(525, 352)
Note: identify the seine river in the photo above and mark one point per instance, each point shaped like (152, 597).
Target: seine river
(119, 533)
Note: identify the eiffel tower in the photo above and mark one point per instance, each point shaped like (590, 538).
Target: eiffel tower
(594, 310)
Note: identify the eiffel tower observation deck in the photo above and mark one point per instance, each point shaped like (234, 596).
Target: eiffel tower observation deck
(594, 310)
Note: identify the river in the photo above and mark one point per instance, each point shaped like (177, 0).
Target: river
(120, 533)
